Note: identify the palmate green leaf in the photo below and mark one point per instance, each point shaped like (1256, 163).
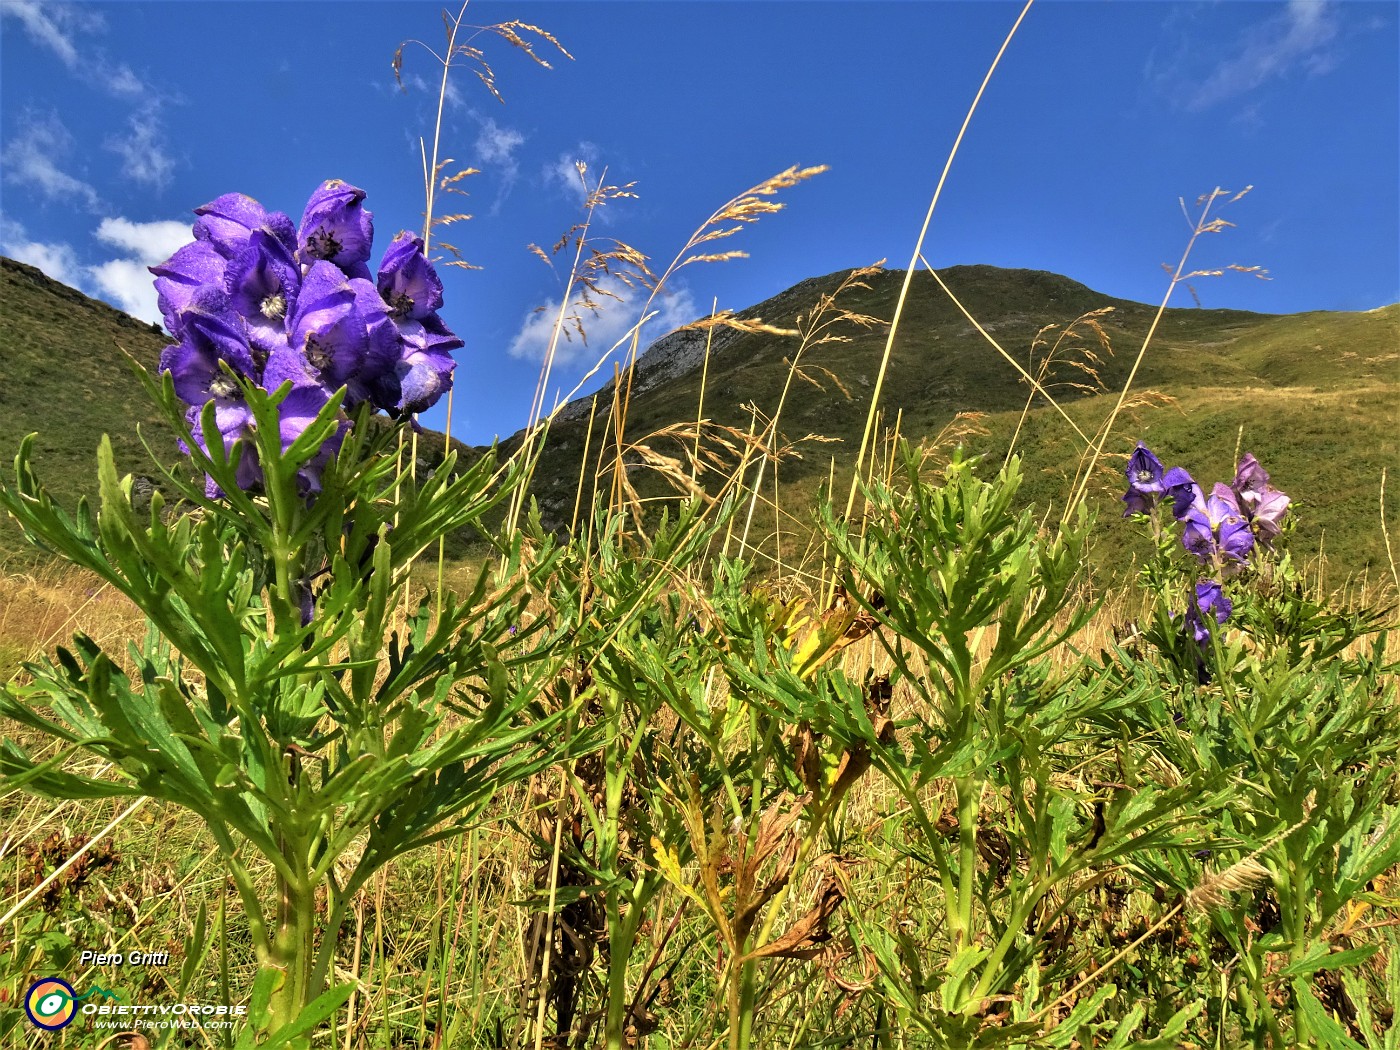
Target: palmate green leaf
(1365, 853)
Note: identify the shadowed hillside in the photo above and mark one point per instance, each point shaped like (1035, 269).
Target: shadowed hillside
(1315, 394)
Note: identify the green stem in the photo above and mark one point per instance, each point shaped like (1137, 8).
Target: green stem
(1296, 848)
(744, 994)
(969, 793)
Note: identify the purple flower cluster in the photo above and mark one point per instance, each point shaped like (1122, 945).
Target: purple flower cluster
(1221, 529)
(258, 299)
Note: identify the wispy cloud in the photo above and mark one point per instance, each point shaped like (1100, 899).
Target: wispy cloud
(125, 280)
(57, 260)
(61, 29)
(31, 159)
(54, 26)
(563, 174)
(496, 147)
(142, 148)
(1297, 38)
(614, 319)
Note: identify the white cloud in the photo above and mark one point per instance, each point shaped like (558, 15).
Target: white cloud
(47, 25)
(59, 27)
(495, 148)
(497, 145)
(604, 329)
(122, 81)
(125, 281)
(31, 159)
(1298, 37)
(142, 149)
(127, 284)
(59, 261)
(148, 242)
(563, 172)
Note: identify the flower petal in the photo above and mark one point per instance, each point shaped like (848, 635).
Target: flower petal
(336, 226)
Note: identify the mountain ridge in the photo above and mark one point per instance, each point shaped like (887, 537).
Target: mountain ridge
(1305, 392)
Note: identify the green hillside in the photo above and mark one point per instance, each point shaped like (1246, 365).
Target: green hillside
(1316, 395)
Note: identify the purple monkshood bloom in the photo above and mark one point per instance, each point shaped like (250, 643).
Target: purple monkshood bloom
(1264, 506)
(263, 281)
(295, 413)
(227, 223)
(1217, 526)
(343, 328)
(212, 334)
(1144, 473)
(197, 265)
(255, 299)
(1210, 601)
(337, 228)
(407, 280)
(424, 372)
(1182, 492)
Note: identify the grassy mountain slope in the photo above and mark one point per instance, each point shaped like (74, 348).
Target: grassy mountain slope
(63, 375)
(1315, 394)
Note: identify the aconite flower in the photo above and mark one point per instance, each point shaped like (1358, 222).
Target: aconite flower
(228, 222)
(343, 330)
(1263, 505)
(1182, 492)
(408, 282)
(255, 300)
(1209, 603)
(336, 227)
(1217, 527)
(263, 281)
(1144, 472)
(194, 267)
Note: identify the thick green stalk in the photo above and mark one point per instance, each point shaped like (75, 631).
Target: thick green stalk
(293, 943)
(1296, 848)
(969, 793)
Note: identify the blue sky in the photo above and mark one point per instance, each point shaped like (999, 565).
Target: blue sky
(116, 119)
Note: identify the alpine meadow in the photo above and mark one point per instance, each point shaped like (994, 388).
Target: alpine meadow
(910, 657)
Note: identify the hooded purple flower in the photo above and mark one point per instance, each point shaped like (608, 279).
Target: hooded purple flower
(344, 330)
(299, 409)
(1144, 473)
(337, 228)
(213, 337)
(423, 373)
(1264, 506)
(212, 334)
(1182, 492)
(407, 281)
(1210, 601)
(197, 265)
(256, 300)
(263, 281)
(227, 223)
(1217, 526)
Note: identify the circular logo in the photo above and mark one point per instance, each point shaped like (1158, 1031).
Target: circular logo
(50, 1003)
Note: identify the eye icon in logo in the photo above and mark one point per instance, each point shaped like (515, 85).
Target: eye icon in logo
(50, 1004)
